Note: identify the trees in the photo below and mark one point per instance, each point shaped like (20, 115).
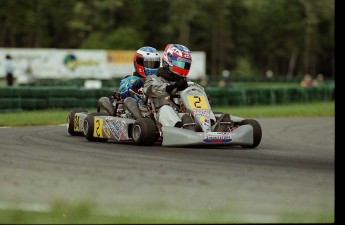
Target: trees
(289, 37)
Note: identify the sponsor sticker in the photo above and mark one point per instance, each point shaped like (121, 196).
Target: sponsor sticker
(201, 112)
(106, 131)
(217, 137)
(117, 128)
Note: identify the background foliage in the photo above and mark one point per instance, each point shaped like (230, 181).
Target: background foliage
(247, 37)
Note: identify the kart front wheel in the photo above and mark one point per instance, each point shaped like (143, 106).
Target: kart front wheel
(144, 131)
(257, 132)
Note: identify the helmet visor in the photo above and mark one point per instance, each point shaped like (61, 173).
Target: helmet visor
(181, 64)
(149, 63)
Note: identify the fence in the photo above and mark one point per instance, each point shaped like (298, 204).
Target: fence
(33, 98)
(269, 96)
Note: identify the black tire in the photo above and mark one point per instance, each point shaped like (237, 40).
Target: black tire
(257, 132)
(144, 132)
(89, 127)
(70, 122)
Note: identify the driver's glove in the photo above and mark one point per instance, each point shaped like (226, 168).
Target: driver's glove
(180, 85)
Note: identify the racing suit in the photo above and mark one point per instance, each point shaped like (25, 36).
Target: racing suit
(156, 87)
(131, 82)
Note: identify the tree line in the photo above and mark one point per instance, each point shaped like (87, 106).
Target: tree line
(245, 37)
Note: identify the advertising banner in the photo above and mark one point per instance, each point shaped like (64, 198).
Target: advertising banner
(40, 63)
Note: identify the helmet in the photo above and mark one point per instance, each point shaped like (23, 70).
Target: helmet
(178, 59)
(146, 61)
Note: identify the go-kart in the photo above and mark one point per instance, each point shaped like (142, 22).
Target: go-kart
(125, 120)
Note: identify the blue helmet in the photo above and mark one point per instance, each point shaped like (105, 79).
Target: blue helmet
(146, 61)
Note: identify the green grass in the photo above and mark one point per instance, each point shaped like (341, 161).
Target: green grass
(290, 110)
(52, 117)
(85, 212)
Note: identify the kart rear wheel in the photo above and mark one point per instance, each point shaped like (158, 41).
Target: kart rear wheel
(257, 132)
(144, 132)
(70, 122)
(89, 127)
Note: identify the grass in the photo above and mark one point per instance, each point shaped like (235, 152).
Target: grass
(59, 116)
(290, 110)
(85, 212)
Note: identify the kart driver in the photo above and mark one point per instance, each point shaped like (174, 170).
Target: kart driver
(176, 62)
(146, 62)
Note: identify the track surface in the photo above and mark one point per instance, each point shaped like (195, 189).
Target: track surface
(291, 172)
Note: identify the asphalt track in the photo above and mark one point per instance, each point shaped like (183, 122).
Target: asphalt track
(289, 175)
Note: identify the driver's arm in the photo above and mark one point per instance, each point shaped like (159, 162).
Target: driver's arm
(155, 86)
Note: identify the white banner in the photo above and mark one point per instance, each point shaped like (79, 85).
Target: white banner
(30, 64)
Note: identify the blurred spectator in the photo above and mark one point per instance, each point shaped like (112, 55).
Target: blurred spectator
(201, 81)
(225, 80)
(307, 81)
(29, 73)
(269, 74)
(222, 83)
(9, 70)
(226, 75)
(319, 80)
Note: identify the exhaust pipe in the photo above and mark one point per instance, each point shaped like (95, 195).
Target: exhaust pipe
(133, 107)
(104, 102)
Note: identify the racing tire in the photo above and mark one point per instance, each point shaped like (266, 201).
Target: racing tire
(70, 122)
(89, 127)
(257, 132)
(144, 132)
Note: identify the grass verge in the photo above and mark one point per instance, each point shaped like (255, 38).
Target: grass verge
(61, 212)
(59, 116)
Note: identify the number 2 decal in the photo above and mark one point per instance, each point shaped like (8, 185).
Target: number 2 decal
(76, 122)
(197, 102)
(97, 128)
(98, 122)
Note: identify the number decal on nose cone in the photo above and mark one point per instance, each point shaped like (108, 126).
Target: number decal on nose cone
(197, 102)
(76, 122)
(97, 132)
